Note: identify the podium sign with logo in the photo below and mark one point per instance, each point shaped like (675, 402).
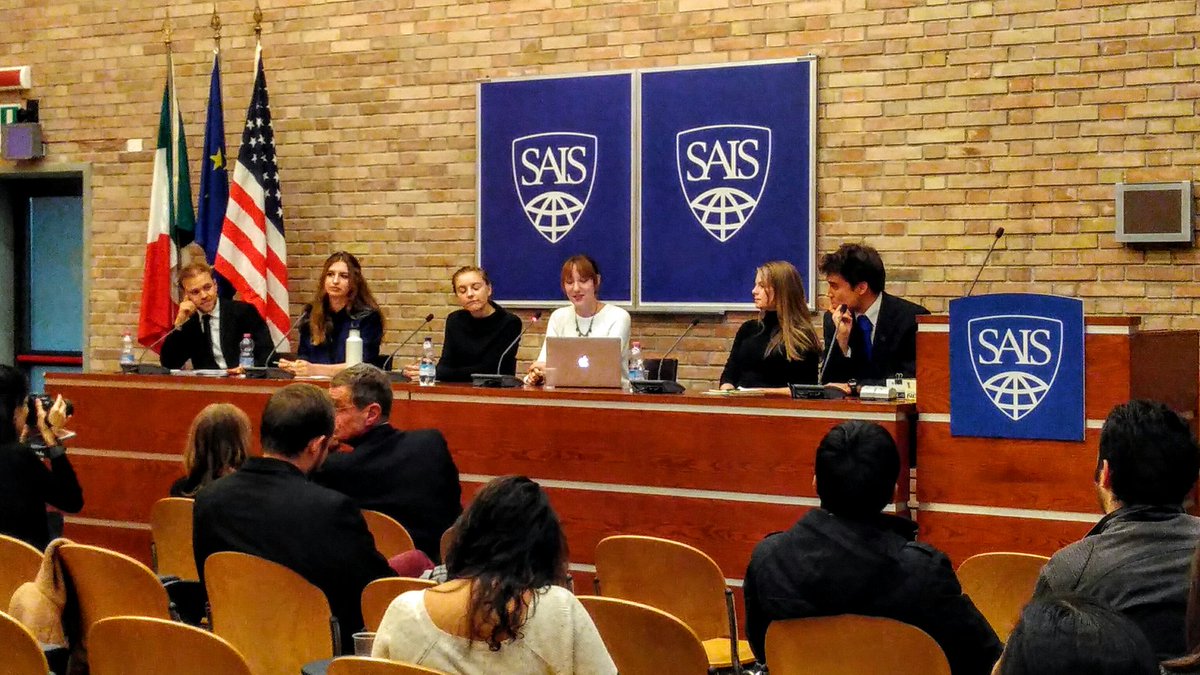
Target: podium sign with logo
(1017, 367)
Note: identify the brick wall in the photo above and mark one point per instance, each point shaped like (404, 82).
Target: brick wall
(939, 121)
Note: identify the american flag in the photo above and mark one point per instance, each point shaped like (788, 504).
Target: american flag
(252, 253)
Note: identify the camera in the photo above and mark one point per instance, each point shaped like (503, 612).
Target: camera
(47, 401)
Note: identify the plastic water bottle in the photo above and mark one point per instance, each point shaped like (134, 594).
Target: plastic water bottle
(353, 347)
(127, 357)
(246, 355)
(427, 370)
(637, 368)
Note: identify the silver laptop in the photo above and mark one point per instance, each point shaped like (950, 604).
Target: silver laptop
(594, 362)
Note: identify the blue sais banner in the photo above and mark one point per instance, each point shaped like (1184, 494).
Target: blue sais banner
(555, 173)
(1016, 367)
(727, 175)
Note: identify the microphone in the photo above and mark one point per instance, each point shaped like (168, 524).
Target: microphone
(269, 372)
(140, 368)
(690, 326)
(828, 352)
(497, 379)
(999, 233)
(660, 384)
(388, 361)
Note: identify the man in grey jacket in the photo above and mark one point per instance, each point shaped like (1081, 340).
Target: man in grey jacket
(1138, 557)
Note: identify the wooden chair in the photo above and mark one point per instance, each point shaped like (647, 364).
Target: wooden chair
(391, 538)
(680, 580)
(22, 652)
(852, 645)
(109, 584)
(361, 665)
(276, 619)
(1000, 584)
(141, 646)
(378, 595)
(171, 532)
(643, 640)
(19, 563)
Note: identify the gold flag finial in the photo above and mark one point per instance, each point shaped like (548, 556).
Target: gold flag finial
(167, 28)
(215, 23)
(257, 21)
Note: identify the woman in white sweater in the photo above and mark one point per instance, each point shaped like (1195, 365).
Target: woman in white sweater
(505, 608)
(586, 316)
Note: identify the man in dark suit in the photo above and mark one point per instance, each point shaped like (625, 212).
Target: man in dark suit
(268, 508)
(409, 475)
(208, 331)
(869, 334)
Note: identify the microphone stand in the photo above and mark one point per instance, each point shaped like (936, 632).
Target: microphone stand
(140, 368)
(399, 377)
(996, 240)
(661, 385)
(268, 372)
(498, 379)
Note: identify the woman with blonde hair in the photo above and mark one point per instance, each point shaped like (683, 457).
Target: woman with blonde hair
(343, 302)
(217, 444)
(780, 347)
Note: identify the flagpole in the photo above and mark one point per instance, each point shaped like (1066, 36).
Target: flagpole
(257, 23)
(172, 173)
(215, 24)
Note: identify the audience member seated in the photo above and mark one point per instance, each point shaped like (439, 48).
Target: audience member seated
(26, 483)
(849, 558)
(478, 335)
(1075, 635)
(506, 608)
(343, 302)
(408, 475)
(269, 509)
(779, 347)
(217, 443)
(1137, 558)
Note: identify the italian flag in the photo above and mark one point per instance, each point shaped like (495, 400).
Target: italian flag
(172, 221)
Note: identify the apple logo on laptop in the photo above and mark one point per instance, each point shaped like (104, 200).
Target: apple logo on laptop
(583, 361)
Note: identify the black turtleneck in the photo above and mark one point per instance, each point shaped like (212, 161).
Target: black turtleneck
(748, 367)
(474, 345)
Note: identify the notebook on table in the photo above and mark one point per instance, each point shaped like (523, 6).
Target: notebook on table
(584, 362)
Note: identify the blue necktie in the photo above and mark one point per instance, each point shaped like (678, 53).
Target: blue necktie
(864, 325)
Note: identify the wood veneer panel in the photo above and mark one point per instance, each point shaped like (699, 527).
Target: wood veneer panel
(116, 488)
(133, 543)
(961, 536)
(1166, 368)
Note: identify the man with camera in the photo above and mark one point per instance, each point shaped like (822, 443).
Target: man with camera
(27, 481)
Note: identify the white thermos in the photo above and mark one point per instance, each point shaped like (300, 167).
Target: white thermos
(353, 347)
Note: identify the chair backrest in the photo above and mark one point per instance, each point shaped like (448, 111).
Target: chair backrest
(852, 645)
(391, 538)
(644, 640)
(171, 529)
(19, 563)
(276, 619)
(140, 646)
(110, 584)
(679, 579)
(378, 595)
(22, 653)
(361, 665)
(1000, 584)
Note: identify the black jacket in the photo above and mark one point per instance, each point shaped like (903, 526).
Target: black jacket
(748, 367)
(26, 486)
(269, 509)
(826, 565)
(475, 345)
(409, 475)
(237, 319)
(893, 350)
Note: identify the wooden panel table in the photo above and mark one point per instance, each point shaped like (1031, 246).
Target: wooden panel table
(717, 473)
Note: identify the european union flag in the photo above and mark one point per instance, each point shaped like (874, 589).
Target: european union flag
(214, 178)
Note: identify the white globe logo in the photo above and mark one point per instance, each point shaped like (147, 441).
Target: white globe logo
(1016, 394)
(723, 211)
(554, 214)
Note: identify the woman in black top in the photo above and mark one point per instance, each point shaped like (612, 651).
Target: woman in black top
(476, 335)
(217, 444)
(26, 483)
(780, 347)
(343, 302)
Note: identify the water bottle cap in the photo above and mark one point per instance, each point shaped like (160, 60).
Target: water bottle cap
(245, 335)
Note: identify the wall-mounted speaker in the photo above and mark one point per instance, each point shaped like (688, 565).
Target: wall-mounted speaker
(1154, 213)
(21, 140)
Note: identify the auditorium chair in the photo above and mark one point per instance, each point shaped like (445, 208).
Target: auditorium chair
(849, 644)
(22, 653)
(273, 616)
(171, 538)
(679, 579)
(361, 665)
(109, 584)
(391, 539)
(19, 563)
(643, 640)
(378, 595)
(1000, 584)
(141, 646)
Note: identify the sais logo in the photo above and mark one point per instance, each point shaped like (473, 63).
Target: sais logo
(723, 170)
(1016, 359)
(554, 173)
